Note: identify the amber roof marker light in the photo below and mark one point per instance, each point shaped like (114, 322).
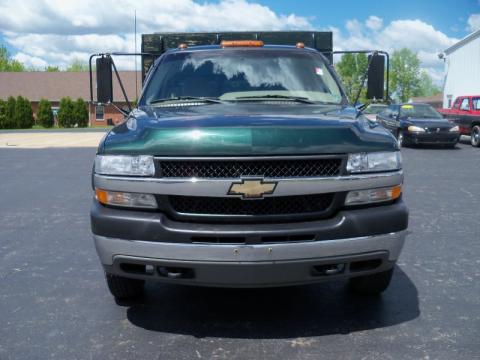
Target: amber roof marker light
(241, 43)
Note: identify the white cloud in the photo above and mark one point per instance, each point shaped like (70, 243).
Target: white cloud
(414, 34)
(30, 61)
(112, 17)
(58, 31)
(55, 32)
(353, 26)
(473, 22)
(374, 22)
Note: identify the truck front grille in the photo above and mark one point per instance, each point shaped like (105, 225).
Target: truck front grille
(236, 168)
(282, 205)
(438, 130)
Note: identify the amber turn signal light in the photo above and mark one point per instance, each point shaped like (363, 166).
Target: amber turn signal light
(102, 196)
(369, 196)
(126, 199)
(241, 43)
(396, 192)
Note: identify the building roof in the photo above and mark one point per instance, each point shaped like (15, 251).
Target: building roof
(465, 40)
(428, 99)
(35, 85)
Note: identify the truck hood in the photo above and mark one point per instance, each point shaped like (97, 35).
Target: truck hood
(246, 130)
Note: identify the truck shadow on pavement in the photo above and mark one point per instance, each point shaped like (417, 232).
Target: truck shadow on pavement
(302, 311)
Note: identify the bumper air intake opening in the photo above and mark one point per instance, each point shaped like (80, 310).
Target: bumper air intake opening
(287, 238)
(365, 265)
(330, 269)
(217, 240)
(175, 272)
(137, 268)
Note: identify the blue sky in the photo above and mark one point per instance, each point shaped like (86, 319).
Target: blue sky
(448, 16)
(56, 32)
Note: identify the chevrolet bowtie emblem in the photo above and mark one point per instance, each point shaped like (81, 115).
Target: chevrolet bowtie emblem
(252, 188)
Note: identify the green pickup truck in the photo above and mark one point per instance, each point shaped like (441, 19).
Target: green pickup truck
(243, 165)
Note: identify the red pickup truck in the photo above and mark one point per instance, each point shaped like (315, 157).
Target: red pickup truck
(465, 112)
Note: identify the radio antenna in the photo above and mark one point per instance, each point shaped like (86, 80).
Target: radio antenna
(136, 77)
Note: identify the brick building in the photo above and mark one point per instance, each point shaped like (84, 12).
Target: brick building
(435, 100)
(35, 85)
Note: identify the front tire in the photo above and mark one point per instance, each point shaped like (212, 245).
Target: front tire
(124, 288)
(475, 136)
(371, 284)
(400, 140)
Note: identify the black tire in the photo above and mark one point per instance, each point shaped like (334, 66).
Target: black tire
(124, 288)
(401, 139)
(475, 136)
(371, 284)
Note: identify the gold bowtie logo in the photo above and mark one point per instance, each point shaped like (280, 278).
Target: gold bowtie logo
(252, 188)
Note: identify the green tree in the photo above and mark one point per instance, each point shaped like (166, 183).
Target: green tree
(426, 87)
(7, 63)
(404, 74)
(45, 114)
(9, 122)
(65, 113)
(351, 69)
(77, 65)
(3, 113)
(80, 113)
(50, 68)
(23, 113)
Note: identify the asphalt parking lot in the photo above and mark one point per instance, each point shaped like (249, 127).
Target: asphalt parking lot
(54, 302)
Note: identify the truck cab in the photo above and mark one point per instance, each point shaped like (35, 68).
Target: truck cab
(244, 166)
(465, 113)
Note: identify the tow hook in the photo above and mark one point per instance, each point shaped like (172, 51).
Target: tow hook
(175, 273)
(327, 270)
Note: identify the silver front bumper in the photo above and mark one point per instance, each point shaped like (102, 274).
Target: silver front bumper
(249, 265)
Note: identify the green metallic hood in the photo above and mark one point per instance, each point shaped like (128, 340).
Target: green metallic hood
(219, 130)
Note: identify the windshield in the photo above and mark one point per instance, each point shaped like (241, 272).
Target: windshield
(419, 112)
(374, 109)
(243, 75)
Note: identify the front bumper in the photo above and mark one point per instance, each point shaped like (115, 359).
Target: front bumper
(148, 245)
(156, 227)
(262, 265)
(432, 138)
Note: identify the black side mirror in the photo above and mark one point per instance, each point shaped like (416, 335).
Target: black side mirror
(376, 73)
(104, 80)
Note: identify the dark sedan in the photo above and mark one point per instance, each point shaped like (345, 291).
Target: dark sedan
(414, 124)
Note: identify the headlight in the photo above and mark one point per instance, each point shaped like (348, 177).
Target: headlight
(376, 161)
(141, 165)
(416, 129)
(125, 199)
(455, 129)
(359, 197)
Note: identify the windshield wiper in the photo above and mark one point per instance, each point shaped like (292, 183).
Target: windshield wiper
(183, 98)
(299, 99)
